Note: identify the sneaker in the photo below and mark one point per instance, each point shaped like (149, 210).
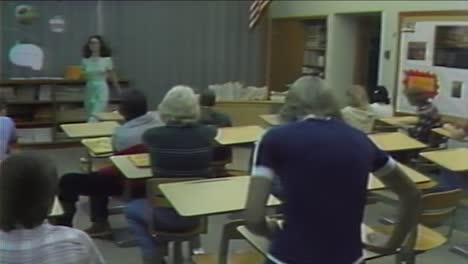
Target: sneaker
(99, 230)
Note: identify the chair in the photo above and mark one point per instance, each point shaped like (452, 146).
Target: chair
(436, 208)
(157, 199)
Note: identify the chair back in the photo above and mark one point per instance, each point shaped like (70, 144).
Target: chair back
(438, 206)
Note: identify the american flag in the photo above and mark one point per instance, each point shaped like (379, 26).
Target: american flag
(256, 9)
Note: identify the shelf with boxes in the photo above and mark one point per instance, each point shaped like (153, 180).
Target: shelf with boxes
(39, 106)
(315, 47)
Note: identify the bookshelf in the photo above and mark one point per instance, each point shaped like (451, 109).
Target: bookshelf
(39, 106)
(315, 47)
(298, 46)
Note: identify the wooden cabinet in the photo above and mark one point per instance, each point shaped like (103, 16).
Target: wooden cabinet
(39, 106)
(297, 47)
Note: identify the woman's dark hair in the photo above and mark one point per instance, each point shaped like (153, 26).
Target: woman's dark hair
(380, 95)
(104, 52)
(133, 104)
(207, 98)
(28, 183)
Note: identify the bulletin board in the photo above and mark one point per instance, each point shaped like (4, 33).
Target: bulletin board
(433, 55)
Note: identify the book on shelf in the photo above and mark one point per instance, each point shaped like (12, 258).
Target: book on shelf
(34, 135)
(8, 93)
(45, 93)
(26, 93)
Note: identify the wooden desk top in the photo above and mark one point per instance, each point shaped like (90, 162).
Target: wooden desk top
(400, 121)
(272, 120)
(89, 130)
(396, 141)
(262, 244)
(375, 184)
(57, 209)
(452, 159)
(211, 196)
(109, 116)
(129, 170)
(223, 195)
(451, 132)
(239, 135)
(98, 146)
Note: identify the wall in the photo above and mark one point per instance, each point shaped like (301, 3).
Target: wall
(60, 49)
(390, 12)
(159, 44)
(341, 60)
(156, 44)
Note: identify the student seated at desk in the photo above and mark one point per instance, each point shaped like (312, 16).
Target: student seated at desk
(27, 190)
(358, 114)
(428, 116)
(323, 167)
(209, 116)
(182, 148)
(381, 103)
(127, 139)
(7, 130)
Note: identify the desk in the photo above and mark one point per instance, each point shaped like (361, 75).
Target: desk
(57, 209)
(109, 116)
(262, 244)
(400, 121)
(211, 196)
(453, 159)
(272, 120)
(396, 141)
(89, 130)
(98, 146)
(224, 195)
(129, 170)
(450, 133)
(375, 184)
(239, 135)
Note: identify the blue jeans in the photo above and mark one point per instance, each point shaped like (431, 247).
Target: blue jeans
(140, 216)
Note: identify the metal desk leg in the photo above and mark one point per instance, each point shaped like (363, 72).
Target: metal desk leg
(461, 249)
(123, 237)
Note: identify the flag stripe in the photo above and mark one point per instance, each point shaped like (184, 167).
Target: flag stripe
(256, 10)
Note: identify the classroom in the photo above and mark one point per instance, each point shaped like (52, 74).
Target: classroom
(233, 132)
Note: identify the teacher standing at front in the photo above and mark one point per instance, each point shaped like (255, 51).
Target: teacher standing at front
(97, 66)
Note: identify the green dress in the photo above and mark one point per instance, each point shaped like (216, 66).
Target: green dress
(97, 90)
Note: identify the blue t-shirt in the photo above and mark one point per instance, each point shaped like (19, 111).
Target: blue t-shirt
(323, 168)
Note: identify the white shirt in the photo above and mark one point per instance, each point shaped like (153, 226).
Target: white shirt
(359, 118)
(381, 110)
(130, 133)
(48, 244)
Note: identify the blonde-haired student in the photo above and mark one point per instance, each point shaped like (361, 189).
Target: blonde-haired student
(358, 114)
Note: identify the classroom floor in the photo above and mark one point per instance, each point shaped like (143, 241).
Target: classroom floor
(67, 160)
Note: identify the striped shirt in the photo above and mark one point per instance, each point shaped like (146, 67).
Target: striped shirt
(48, 244)
(178, 150)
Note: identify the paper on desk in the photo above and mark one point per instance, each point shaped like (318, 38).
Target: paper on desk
(140, 160)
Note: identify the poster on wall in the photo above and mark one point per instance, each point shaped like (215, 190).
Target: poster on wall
(434, 58)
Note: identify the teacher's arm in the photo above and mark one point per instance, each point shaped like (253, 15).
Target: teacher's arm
(113, 75)
(409, 208)
(115, 81)
(260, 187)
